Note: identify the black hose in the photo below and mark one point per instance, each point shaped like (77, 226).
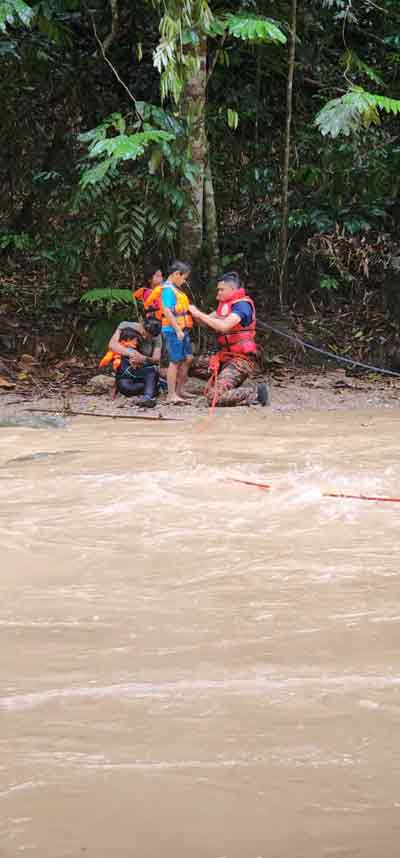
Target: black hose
(332, 355)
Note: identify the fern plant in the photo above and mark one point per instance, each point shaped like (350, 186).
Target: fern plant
(252, 28)
(355, 110)
(122, 146)
(129, 208)
(113, 296)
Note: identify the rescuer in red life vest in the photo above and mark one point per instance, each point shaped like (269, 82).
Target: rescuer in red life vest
(235, 362)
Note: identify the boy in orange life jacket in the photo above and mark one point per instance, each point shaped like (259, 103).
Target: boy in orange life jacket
(128, 339)
(176, 322)
(234, 322)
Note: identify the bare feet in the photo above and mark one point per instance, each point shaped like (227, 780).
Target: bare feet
(175, 400)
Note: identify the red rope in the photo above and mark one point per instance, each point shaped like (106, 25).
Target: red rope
(213, 380)
(265, 486)
(360, 497)
(249, 483)
(214, 366)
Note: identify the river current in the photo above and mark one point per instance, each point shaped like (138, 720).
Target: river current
(192, 667)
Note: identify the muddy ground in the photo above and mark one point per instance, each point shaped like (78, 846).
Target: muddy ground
(290, 390)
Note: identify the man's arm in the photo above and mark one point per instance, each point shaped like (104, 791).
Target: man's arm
(156, 356)
(125, 351)
(212, 315)
(115, 345)
(221, 326)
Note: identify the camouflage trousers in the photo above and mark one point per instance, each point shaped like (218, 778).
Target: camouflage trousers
(235, 380)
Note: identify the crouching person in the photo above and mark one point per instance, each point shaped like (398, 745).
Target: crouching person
(234, 364)
(136, 353)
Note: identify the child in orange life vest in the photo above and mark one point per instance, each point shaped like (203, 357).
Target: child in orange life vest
(132, 378)
(176, 325)
(153, 279)
(129, 339)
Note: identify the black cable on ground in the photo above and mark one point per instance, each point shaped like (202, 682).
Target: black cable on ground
(331, 355)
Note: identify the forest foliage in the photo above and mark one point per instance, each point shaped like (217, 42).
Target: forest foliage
(116, 116)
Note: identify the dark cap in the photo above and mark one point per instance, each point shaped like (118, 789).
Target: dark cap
(153, 326)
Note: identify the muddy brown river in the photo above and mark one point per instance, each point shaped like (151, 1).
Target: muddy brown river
(191, 667)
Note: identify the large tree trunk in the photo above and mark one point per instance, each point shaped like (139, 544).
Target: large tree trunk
(286, 159)
(211, 224)
(193, 106)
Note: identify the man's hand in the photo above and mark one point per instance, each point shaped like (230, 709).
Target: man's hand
(135, 361)
(194, 311)
(180, 334)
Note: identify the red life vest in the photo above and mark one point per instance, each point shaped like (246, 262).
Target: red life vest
(239, 340)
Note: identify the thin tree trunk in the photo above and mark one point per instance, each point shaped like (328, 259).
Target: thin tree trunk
(283, 272)
(114, 25)
(211, 224)
(193, 104)
(258, 90)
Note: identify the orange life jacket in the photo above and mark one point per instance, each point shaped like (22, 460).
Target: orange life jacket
(181, 311)
(116, 358)
(142, 294)
(152, 302)
(239, 340)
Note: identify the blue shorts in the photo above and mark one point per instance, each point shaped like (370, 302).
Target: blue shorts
(177, 350)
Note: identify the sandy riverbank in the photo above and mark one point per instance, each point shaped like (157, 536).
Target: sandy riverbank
(292, 390)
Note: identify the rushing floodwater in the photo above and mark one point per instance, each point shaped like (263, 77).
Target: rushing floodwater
(190, 667)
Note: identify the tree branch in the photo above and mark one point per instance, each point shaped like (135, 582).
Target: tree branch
(215, 58)
(114, 25)
(109, 63)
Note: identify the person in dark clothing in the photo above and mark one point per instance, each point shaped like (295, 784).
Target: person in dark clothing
(138, 369)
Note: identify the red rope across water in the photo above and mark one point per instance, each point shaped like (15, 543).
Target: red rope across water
(250, 483)
(265, 486)
(359, 497)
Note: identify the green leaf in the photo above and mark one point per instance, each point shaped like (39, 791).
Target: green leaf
(251, 28)
(216, 28)
(329, 283)
(93, 296)
(13, 12)
(354, 110)
(233, 118)
(351, 61)
(124, 147)
(95, 175)
(115, 120)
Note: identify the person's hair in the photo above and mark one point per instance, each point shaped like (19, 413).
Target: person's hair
(153, 326)
(149, 272)
(179, 267)
(128, 334)
(230, 277)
